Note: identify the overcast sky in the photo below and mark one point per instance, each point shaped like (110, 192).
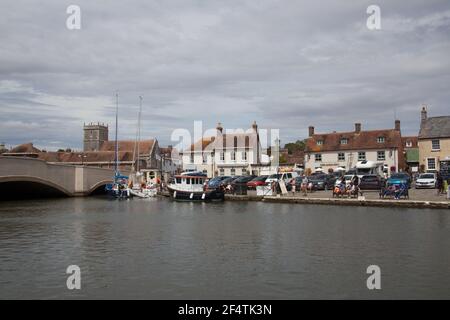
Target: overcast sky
(285, 64)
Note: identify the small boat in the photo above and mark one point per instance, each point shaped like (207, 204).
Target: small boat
(146, 191)
(189, 186)
(119, 189)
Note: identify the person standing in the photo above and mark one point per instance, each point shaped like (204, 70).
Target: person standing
(439, 183)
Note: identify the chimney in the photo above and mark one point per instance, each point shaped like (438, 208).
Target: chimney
(255, 126)
(423, 114)
(311, 131)
(358, 127)
(397, 125)
(219, 128)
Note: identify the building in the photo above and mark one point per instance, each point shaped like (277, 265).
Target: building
(3, 148)
(95, 134)
(230, 153)
(411, 153)
(345, 149)
(434, 142)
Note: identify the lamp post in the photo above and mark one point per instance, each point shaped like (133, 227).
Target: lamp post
(82, 157)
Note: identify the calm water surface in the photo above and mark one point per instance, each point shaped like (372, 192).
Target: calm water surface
(159, 249)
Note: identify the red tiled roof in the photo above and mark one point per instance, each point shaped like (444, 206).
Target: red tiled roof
(412, 139)
(145, 146)
(92, 156)
(356, 140)
(201, 144)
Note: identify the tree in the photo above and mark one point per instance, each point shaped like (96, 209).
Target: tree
(293, 147)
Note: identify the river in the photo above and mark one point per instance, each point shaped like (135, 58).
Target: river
(160, 249)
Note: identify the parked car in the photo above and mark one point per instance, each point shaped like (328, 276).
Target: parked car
(226, 182)
(215, 182)
(256, 182)
(398, 179)
(322, 181)
(285, 176)
(371, 182)
(426, 180)
(242, 181)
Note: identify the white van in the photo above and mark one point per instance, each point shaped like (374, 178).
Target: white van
(282, 176)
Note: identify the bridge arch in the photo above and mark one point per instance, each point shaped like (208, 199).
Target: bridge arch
(12, 187)
(99, 187)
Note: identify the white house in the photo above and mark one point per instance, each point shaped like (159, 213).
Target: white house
(345, 149)
(235, 152)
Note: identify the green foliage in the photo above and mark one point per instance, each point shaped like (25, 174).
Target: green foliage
(292, 147)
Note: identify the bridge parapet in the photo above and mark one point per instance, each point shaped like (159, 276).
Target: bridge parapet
(70, 179)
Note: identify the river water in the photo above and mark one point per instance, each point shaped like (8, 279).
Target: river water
(160, 249)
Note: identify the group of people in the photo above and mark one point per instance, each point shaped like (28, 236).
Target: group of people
(352, 188)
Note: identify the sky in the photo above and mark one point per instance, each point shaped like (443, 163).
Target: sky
(284, 64)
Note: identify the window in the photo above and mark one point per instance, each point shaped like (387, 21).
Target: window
(431, 163)
(233, 171)
(408, 144)
(381, 139)
(341, 156)
(381, 155)
(178, 180)
(222, 156)
(244, 171)
(319, 142)
(318, 157)
(233, 156)
(344, 141)
(188, 181)
(244, 155)
(361, 156)
(435, 144)
(221, 171)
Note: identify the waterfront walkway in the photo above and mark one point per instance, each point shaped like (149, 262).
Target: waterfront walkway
(422, 198)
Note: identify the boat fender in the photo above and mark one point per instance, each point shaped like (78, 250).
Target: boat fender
(192, 195)
(174, 194)
(203, 196)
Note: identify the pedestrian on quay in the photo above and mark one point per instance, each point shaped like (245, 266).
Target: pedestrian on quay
(293, 186)
(304, 186)
(439, 183)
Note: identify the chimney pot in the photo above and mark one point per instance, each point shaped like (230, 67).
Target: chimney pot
(311, 131)
(397, 125)
(357, 127)
(423, 113)
(219, 127)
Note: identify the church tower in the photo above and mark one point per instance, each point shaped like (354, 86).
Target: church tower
(94, 136)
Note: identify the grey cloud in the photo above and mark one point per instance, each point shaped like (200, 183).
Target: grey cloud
(286, 64)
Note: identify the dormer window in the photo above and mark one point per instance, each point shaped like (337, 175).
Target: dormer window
(381, 139)
(319, 142)
(344, 141)
(408, 144)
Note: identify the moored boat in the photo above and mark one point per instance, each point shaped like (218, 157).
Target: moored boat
(189, 186)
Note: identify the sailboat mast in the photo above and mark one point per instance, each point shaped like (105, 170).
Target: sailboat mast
(139, 131)
(117, 129)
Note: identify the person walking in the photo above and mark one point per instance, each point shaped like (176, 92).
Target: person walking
(305, 185)
(439, 183)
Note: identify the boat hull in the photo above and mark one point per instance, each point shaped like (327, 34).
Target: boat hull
(196, 196)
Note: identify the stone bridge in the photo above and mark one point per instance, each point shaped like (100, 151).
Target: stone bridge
(22, 177)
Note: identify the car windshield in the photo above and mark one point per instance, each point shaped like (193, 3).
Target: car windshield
(369, 178)
(261, 178)
(318, 177)
(275, 176)
(399, 176)
(426, 176)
